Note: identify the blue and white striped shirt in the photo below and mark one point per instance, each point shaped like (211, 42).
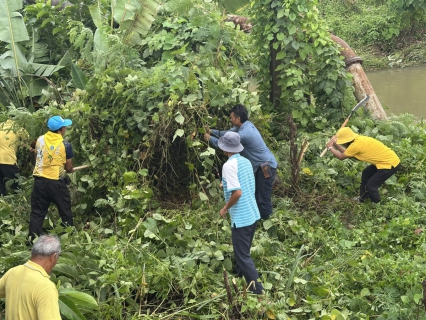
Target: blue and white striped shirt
(237, 174)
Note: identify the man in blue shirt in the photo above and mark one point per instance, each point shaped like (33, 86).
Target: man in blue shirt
(261, 158)
(239, 188)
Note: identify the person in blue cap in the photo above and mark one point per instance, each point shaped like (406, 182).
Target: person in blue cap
(53, 161)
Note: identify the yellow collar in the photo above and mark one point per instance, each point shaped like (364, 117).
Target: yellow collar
(36, 267)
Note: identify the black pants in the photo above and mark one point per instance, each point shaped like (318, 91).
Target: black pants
(44, 193)
(7, 172)
(241, 242)
(371, 179)
(264, 191)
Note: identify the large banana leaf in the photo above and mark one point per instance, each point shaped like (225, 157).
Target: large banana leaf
(78, 77)
(13, 61)
(96, 13)
(135, 17)
(38, 52)
(12, 30)
(12, 23)
(24, 76)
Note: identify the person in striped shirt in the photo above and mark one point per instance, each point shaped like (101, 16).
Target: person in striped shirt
(256, 151)
(239, 190)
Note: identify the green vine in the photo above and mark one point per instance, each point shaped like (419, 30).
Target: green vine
(300, 67)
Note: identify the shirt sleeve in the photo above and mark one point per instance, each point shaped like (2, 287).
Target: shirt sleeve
(230, 175)
(244, 136)
(48, 304)
(68, 150)
(219, 133)
(214, 141)
(352, 150)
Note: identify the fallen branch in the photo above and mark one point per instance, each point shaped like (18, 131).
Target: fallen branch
(235, 308)
(310, 258)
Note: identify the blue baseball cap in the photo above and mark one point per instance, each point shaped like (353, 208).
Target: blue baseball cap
(57, 122)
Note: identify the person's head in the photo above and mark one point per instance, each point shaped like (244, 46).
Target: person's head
(230, 144)
(58, 125)
(239, 115)
(46, 251)
(345, 136)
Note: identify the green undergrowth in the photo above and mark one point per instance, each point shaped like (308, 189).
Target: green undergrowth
(321, 255)
(359, 262)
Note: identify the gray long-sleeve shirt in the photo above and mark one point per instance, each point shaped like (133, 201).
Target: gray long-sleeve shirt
(255, 148)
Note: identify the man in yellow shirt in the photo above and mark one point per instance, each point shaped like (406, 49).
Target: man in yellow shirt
(383, 161)
(10, 138)
(53, 161)
(29, 293)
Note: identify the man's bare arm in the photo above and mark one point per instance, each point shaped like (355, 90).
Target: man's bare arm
(69, 168)
(233, 199)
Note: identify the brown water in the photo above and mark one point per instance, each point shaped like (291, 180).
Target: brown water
(401, 90)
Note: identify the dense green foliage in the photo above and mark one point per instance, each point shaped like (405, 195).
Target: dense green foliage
(148, 241)
(310, 75)
(320, 256)
(381, 32)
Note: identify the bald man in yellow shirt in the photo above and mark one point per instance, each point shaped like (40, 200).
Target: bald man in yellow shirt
(383, 161)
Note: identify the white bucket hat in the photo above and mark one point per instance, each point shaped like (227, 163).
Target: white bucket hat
(230, 142)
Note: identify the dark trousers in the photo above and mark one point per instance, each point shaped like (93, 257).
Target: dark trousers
(44, 193)
(264, 191)
(371, 179)
(241, 242)
(8, 172)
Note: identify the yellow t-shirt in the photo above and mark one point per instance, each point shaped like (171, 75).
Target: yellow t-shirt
(10, 136)
(373, 151)
(29, 293)
(51, 156)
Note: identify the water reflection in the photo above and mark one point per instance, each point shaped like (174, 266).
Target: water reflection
(401, 90)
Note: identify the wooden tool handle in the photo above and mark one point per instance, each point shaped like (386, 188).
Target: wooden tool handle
(343, 125)
(323, 152)
(81, 167)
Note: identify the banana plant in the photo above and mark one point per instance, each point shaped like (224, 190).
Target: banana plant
(22, 76)
(134, 17)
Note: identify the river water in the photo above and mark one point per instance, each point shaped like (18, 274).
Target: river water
(401, 90)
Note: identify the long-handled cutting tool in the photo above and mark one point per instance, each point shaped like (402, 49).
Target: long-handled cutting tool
(361, 103)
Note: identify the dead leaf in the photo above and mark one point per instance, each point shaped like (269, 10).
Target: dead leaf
(270, 314)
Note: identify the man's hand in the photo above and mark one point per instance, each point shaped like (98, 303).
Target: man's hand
(207, 137)
(334, 139)
(208, 130)
(32, 146)
(332, 142)
(223, 212)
